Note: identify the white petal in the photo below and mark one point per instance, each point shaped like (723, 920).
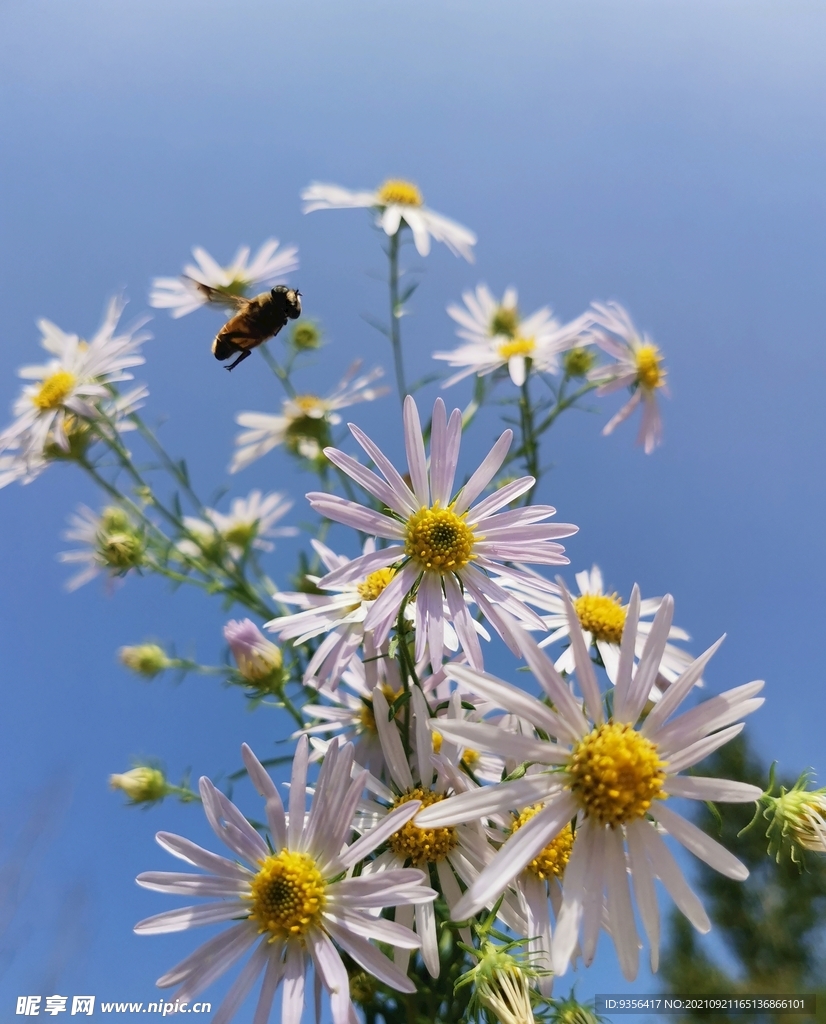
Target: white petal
(518, 851)
(669, 874)
(620, 911)
(726, 791)
(489, 800)
(701, 845)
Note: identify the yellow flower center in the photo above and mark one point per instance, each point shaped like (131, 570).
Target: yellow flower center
(54, 390)
(505, 321)
(439, 540)
(517, 347)
(615, 774)
(551, 861)
(367, 715)
(437, 742)
(309, 405)
(422, 845)
(396, 192)
(375, 584)
(601, 615)
(470, 758)
(287, 895)
(650, 372)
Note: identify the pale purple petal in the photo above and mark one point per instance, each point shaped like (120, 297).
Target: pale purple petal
(370, 958)
(386, 467)
(584, 666)
(677, 692)
(414, 446)
(191, 917)
(484, 474)
(292, 997)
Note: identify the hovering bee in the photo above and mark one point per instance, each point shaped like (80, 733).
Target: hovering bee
(255, 320)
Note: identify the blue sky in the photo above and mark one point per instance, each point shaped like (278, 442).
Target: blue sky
(665, 154)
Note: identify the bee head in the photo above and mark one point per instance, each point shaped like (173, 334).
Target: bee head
(293, 297)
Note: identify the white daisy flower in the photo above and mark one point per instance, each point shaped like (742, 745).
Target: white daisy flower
(181, 295)
(305, 420)
(72, 385)
(614, 778)
(250, 522)
(341, 614)
(113, 544)
(442, 547)
(454, 852)
(348, 712)
(602, 618)
(639, 366)
(498, 336)
(396, 203)
(284, 897)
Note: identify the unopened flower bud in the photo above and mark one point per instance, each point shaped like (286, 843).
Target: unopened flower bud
(797, 817)
(119, 544)
(578, 361)
(143, 785)
(257, 658)
(504, 991)
(569, 1011)
(147, 660)
(305, 336)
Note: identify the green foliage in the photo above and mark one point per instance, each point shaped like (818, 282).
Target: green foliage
(771, 925)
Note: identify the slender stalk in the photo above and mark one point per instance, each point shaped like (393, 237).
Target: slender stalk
(395, 314)
(281, 372)
(530, 439)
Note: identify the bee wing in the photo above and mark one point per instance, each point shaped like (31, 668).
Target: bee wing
(217, 296)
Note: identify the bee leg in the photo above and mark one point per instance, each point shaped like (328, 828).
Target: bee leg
(246, 352)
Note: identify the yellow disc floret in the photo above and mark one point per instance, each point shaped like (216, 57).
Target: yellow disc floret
(439, 540)
(517, 347)
(422, 845)
(396, 192)
(54, 390)
(650, 372)
(287, 895)
(549, 862)
(375, 584)
(601, 615)
(616, 773)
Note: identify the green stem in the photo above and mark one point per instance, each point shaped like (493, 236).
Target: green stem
(281, 372)
(530, 446)
(395, 314)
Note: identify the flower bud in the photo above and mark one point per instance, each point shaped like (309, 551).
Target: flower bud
(796, 818)
(505, 992)
(143, 785)
(119, 544)
(305, 336)
(578, 361)
(147, 660)
(257, 658)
